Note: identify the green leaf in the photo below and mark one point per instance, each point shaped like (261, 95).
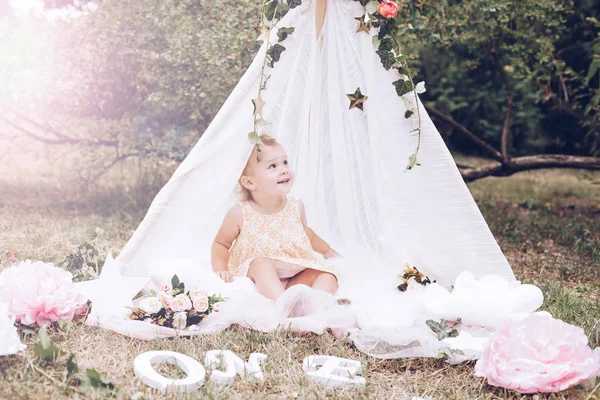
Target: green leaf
(412, 162)
(44, 348)
(594, 66)
(175, 281)
(387, 58)
(72, 367)
(274, 53)
(294, 3)
(372, 6)
(91, 380)
(408, 114)
(254, 138)
(453, 333)
(96, 378)
(386, 27)
(283, 33)
(65, 325)
(439, 328)
(260, 122)
(403, 86)
(386, 44)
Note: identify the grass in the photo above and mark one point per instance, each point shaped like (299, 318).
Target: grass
(547, 223)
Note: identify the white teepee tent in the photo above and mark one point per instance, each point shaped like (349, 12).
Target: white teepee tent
(349, 163)
(349, 168)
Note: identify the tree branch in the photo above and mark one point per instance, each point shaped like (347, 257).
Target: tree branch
(509, 106)
(61, 137)
(495, 154)
(31, 134)
(526, 163)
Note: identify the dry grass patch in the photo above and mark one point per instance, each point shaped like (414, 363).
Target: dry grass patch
(540, 219)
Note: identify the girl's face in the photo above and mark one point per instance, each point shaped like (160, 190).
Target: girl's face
(272, 175)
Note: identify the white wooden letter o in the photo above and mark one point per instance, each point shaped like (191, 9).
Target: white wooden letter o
(142, 367)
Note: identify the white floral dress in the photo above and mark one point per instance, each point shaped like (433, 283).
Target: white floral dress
(280, 237)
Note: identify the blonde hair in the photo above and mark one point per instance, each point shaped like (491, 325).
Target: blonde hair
(267, 140)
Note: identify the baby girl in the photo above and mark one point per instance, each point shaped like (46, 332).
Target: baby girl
(265, 237)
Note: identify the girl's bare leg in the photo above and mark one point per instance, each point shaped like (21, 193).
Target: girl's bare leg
(263, 273)
(318, 280)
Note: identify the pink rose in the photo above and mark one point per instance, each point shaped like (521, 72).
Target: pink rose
(196, 293)
(165, 287)
(387, 9)
(217, 307)
(181, 302)
(538, 354)
(201, 304)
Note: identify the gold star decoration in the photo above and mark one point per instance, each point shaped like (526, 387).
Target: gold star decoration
(258, 104)
(364, 23)
(357, 99)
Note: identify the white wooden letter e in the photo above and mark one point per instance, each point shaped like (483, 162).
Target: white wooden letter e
(333, 371)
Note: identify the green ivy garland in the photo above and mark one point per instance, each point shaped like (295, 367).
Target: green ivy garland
(385, 42)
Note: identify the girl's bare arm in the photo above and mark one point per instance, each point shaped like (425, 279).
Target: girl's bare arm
(228, 232)
(318, 244)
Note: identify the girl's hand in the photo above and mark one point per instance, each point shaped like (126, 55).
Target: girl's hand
(225, 275)
(331, 253)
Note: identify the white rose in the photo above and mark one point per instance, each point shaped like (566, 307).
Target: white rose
(165, 298)
(179, 320)
(150, 305)
(181, 302)
(201, 304)
(196, 294)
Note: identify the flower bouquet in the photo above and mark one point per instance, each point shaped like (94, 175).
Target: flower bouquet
(412, 278)
(173, 307)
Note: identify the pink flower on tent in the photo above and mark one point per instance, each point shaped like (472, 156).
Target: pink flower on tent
(40, 293)
(538, 354)
(387, 9)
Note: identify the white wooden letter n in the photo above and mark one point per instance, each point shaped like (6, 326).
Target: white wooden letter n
(233, 365)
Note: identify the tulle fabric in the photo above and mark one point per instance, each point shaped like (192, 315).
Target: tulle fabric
(350, 173)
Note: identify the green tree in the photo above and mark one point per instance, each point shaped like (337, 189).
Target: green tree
(484, 54)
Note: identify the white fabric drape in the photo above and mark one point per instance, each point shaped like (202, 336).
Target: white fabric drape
(350, 173)
(349, 164)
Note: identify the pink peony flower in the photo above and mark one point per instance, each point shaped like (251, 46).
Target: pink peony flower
(40, 293)
(387, 9)
(181, 302)
(538, 354)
